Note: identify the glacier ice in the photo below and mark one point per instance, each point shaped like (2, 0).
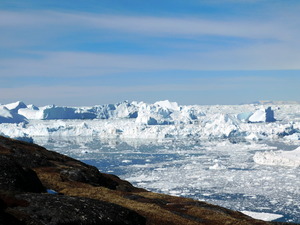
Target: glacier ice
(161, 120)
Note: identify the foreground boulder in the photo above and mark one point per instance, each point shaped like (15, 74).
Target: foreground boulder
(33, 208)
(14, 177)
(83, 195)
(51, 165)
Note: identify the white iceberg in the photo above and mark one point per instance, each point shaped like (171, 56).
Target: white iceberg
(163, 119)
(262, 115)
(9, 116)
(14, 107)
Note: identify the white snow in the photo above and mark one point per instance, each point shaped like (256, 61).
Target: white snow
(262, 215)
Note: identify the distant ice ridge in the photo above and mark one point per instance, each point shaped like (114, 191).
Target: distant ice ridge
(163, 119)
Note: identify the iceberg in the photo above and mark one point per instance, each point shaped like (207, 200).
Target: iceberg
(244, 117)
(168, 105)
(262, 115)
(14, 107)
(162, 120)
(9, 116)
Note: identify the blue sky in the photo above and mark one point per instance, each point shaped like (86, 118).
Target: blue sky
(88, 52)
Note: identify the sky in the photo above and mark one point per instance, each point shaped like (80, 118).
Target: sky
(91, 52)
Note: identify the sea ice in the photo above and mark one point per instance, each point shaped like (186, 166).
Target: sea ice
(281, 158)
(220, 172)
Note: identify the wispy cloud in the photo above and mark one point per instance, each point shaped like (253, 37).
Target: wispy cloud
(274, 46)
(143, 25)
(72, 64)
(105, 50)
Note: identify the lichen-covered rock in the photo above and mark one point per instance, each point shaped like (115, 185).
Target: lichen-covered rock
(60, 209)
(13, 177)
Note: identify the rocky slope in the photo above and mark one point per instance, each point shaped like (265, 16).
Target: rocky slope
(38, 186)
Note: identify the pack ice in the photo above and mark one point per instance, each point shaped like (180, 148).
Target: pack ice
(161, 120)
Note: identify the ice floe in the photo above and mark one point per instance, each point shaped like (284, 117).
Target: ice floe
(281, 158)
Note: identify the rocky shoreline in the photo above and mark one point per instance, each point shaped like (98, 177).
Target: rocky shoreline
(38, 186)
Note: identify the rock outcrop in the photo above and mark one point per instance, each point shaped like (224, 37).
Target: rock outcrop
(86, 196)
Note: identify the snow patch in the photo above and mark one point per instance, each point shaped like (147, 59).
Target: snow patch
(262, 215)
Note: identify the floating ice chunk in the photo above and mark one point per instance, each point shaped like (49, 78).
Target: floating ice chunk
(289, 131)
(8, 116)
(254, 137)
(280, 158)
(32, 113)
(126, 161)
(56, 112)
(14, 107)
(217, 166)
(33, 107)
(154, 115)
(4, 112)
(270, 115)
(262, 215)
(262, 115)
(244, 117)
(168, 105)
(293, 137)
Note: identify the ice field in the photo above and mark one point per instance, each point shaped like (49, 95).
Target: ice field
(243, 157)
